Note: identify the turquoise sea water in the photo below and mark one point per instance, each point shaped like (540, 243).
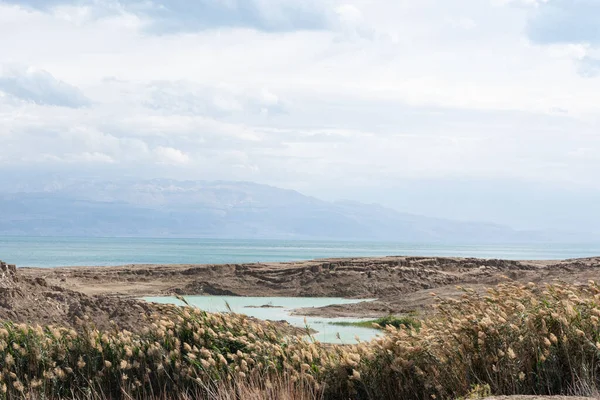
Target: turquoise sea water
(282, 307)
(68, 251)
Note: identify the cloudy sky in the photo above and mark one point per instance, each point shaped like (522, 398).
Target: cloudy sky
(470, 109)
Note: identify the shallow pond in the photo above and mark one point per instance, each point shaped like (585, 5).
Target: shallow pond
(280, 308)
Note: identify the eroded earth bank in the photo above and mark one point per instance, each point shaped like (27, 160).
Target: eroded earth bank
(400, 285)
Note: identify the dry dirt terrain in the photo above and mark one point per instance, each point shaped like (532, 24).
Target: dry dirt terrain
(109, 295)
(32, 299)
(29, 298)
(400, 285)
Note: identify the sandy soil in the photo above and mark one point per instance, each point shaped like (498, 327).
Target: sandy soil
(400, 285)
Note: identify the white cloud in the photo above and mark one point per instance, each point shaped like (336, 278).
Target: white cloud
(349, 14)
(186, 97)
(40, 87)
(375, 93)
(565, 21)
(93, 157)
(170, 155)
(184, 16)
(568, 24)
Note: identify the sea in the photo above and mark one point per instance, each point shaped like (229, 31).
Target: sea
(29, 251)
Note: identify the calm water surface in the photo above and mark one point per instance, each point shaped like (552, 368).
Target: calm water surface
(67, 251)
(327, 333)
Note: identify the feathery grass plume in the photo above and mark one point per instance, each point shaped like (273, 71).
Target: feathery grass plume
(515, 339)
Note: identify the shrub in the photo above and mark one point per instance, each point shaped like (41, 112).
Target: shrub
(516, 339)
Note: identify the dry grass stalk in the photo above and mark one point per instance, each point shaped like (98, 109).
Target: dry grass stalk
(516, 339)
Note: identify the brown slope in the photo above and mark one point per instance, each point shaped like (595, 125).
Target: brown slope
(401, 284)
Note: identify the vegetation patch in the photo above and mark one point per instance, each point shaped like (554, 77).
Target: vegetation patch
(383, 322)
(514, 340)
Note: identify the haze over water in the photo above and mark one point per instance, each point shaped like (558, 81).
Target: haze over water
(68, 251)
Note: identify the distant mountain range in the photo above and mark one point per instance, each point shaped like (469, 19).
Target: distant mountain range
(242, 210)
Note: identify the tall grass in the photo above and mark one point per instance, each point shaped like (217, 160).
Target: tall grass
(516, 339)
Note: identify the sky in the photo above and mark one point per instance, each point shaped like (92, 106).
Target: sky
(466, 109)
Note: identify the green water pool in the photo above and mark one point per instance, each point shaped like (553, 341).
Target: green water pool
(281, 309)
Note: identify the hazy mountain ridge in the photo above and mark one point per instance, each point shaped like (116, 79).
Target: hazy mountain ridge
(224, 210)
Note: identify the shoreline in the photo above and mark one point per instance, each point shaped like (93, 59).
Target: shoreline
(400, 285)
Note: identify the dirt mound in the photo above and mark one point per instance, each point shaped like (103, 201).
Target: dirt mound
(400, 284)
(33, 300)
